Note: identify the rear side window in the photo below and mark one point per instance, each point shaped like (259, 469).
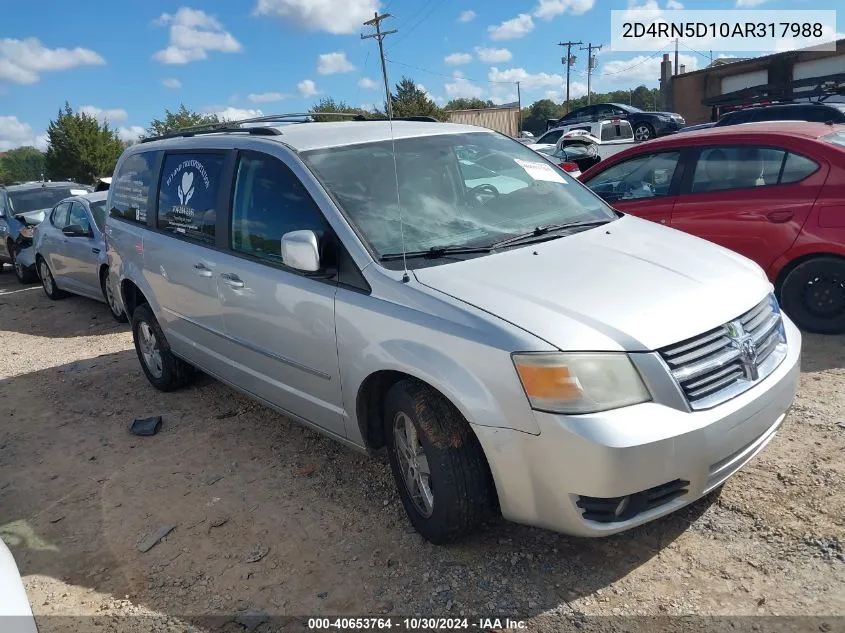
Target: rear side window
(550, 138)
(130, 189)
(797, 168)
(187, 201)
(59, 216)
(269, 201)
(741, 167)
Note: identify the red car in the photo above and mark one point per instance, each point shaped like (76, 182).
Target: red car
(774, 192)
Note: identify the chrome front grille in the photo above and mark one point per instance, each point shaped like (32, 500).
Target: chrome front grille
(722, 363)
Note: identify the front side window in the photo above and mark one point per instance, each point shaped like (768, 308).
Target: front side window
(130, 189)
(187, 199)
(646, 176)
(269, 201)
(60, 214)
(79, 217)
(445, 200)
(737, 167)
(98, 210)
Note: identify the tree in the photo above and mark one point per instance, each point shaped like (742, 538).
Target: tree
(409, 100)
(327, 104)
(81, 149)
(536, 116)
(23, 163)
(468, 104)
(183, 117)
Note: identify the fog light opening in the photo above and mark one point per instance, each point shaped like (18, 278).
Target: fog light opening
(623, 505)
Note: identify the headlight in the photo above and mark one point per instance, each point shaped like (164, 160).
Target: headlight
(584, 382)
(664, 117)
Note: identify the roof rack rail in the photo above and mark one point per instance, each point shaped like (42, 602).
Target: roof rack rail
(821, 87)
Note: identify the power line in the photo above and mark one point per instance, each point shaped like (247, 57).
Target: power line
(433, 4)
(639, 63)
(707, 57)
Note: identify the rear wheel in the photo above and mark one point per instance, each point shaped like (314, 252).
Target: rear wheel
(438, 465)
(643, 132)
(165, 371)
(813, 295)
(109, 292)
(47, 281)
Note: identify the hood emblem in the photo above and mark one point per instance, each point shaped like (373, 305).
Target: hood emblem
(744, 342)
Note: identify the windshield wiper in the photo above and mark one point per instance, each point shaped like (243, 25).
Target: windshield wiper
(436, 252)
(544, 233)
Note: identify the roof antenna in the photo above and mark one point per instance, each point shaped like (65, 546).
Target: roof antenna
(380, 35)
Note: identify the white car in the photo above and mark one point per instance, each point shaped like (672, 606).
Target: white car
(610, 135)
(15, 612)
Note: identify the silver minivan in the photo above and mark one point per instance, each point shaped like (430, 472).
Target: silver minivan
(515, 344)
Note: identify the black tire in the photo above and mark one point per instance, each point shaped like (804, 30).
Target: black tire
(813, 295)
(459, 480)
(170, 373)
(48, 282)
(643, 132)
(24, 275)
(120, 316)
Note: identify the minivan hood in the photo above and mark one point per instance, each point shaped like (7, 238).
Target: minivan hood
(630, 285)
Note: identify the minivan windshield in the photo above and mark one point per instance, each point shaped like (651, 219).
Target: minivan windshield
(26, 200)
(456, 190)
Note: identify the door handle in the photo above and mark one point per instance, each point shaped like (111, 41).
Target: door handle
(202, 270)
(96, 251)
(779, 217)
(232, 280)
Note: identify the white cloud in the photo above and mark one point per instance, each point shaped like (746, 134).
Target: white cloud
(674, 5)
(111, 115)
(366, 82)
(642, 68)
(131, 133)
(236, 114)
(649, 11)
(307, 88)
(467, 16)
(14, 133)
(576, 89)
(332, 16)
(526, 79)
(462, 87)
(457, 59)
(493, 55)
(172, 83)
(520, 26)
(334, 63)
(192, 34)
(550, 9)
(22, 61)
(747, 4)
(266, 97)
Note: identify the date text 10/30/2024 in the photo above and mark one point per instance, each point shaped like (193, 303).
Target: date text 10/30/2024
(412, 624)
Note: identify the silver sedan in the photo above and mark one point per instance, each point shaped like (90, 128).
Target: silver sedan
(70, 251)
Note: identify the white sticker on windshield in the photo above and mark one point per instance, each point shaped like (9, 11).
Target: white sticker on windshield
(78, 192)
(540, 171)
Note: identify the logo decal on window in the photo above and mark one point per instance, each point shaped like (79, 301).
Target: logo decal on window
(181, 216)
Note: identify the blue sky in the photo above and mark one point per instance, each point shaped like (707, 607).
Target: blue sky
(128, 61)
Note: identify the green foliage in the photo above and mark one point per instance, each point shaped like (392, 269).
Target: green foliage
(327, 104)
(409, 100)
(183, 117)
(80, 148)
(468, 104)
(21, 164)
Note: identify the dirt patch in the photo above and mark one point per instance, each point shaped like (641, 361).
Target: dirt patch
(79, 494)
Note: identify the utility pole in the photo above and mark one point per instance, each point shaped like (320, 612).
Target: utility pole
(519, 107)
(568, 60)
(590, 65)
(380, 35)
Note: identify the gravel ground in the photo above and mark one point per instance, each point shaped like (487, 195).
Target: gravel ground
(272, 518)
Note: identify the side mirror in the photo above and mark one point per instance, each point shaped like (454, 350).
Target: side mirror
(75, 230)
(301, 251)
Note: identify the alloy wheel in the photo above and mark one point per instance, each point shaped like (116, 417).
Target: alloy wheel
(413, 463)
(150, 350)
(642, 133)
(46, 277)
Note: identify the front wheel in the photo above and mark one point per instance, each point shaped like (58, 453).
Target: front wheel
(643, 132)
(48, 282)
(438, 465)
(813, 295)
(162, 368)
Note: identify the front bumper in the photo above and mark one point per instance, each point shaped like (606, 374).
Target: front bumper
(667, 127)
(539, 479)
